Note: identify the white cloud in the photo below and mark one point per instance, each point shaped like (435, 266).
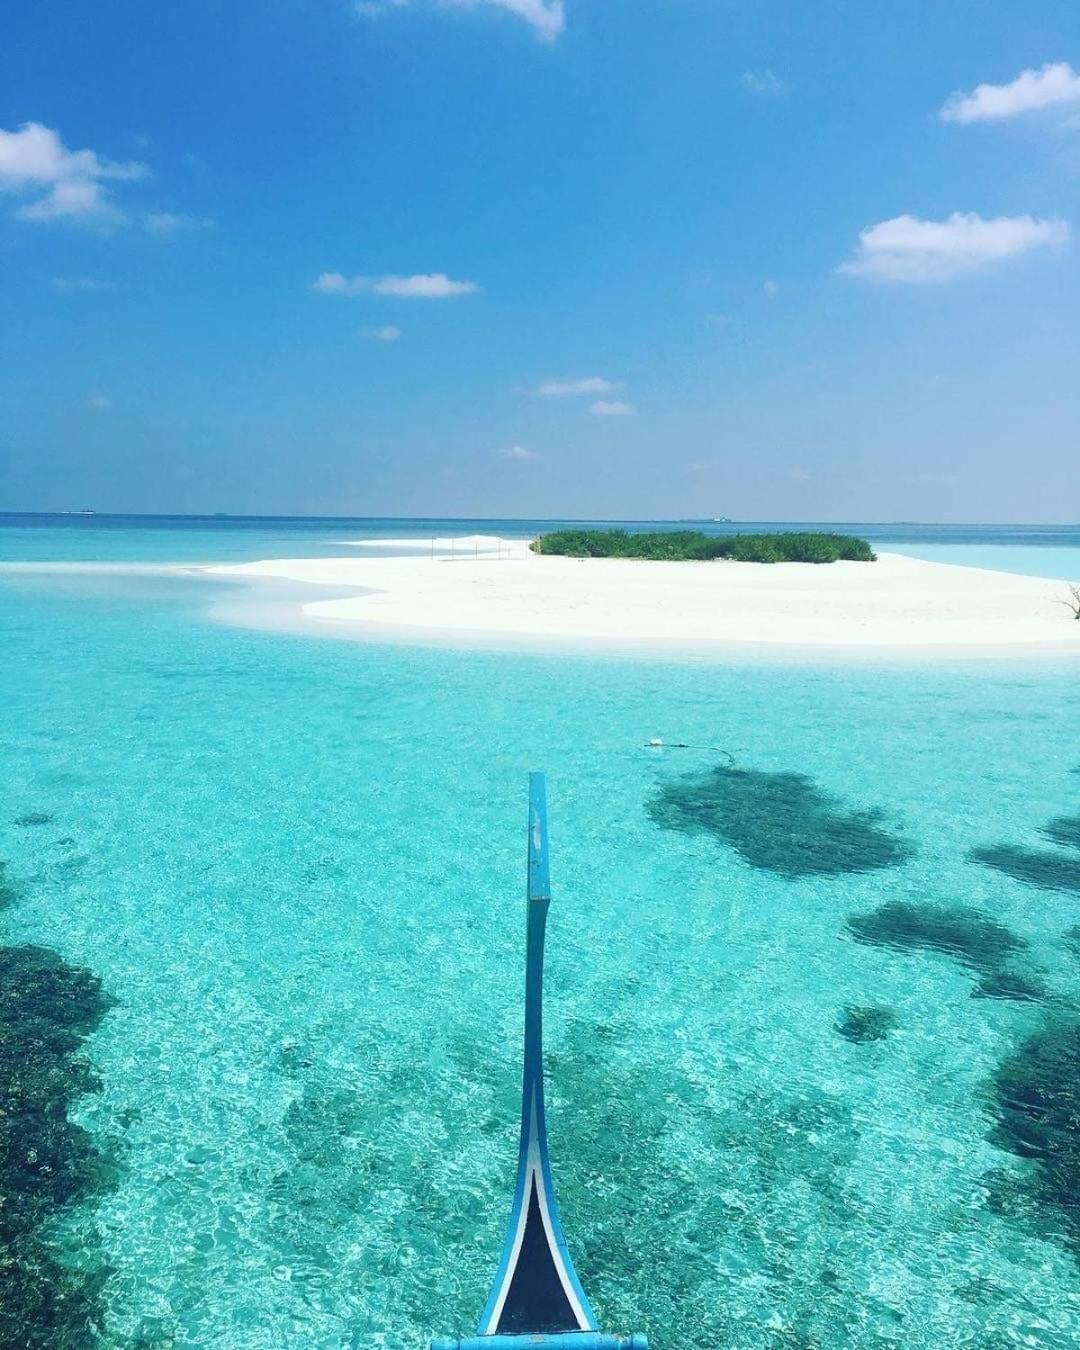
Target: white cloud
(63, 184)
(761, 82)
(1032, 90)
(78, 199)
(612, 408)
(592, 384)
(907, 249)
(421, 286)
(387, 333)
(64, 284)
(424, 286)
(333, 283)
(174, 222)
(34, 155)
(98, 402)
(770, 288)
(516, 452)
(546, 17)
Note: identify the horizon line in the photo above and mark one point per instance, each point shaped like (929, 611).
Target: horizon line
(87, 514)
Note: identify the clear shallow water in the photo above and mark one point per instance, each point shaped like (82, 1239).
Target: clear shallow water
(1056, 560)
(297, 868)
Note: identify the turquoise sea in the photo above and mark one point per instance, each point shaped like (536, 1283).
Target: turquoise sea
(814, 1049)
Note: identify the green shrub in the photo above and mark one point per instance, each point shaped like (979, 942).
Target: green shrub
(692, 545)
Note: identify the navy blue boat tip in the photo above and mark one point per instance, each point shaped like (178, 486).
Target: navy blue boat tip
(537, 1298)
(571, 1340)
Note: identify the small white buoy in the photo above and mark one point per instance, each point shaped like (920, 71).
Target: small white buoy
(655, 742)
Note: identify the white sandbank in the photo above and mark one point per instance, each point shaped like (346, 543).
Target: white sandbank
(441, 545)
(518, 596)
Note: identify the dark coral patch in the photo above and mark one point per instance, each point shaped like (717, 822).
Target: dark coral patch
(1013, 985)
(8, 893)
(47, 1008)
(782, 822)
(866, 1024)
(1036, 1099)
(978, 942)
(973, 938)
(1034, 866)
(35, 818)
(1063, 830)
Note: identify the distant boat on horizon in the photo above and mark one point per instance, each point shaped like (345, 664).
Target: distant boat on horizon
(84, 511)
(705, 520)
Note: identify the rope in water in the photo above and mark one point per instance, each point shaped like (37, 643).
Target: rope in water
(655, 743)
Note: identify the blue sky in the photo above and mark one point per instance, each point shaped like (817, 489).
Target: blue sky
(755, 258)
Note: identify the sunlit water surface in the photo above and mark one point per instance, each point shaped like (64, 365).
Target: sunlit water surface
(296, 869)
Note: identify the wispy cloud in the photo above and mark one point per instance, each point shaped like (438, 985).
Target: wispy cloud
(62, 184)
(421, 286)
(389, 332)
(334, 283)
(612, 408)
(98, 402)
(66, 284)
(591, 384)
(763, 82)
(1052, 86)
(907, 249)
(547, 18)
(371, 9)
(516, 452)
(79, 200)
(174, 222)
(770, 288)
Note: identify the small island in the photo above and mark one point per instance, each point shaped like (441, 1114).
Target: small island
(694, 546)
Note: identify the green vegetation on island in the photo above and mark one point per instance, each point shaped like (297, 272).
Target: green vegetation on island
(692, 545)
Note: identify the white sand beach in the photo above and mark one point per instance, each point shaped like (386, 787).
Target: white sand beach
(498, 591)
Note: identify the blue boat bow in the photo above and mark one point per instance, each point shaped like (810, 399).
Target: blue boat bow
(537, 1298)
